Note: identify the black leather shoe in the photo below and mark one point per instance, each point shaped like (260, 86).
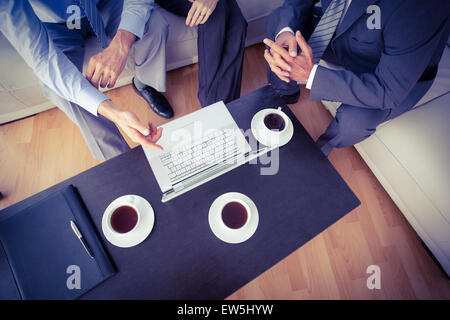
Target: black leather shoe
(155, 100)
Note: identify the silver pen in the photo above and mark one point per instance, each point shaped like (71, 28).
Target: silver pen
(80, 237)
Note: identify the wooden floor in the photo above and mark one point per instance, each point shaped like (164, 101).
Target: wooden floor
(40, 151)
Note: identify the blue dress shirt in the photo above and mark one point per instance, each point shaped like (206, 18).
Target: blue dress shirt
(21, 22)
(52, 11)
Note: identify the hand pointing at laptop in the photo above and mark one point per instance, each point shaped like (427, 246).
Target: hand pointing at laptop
(147, 136)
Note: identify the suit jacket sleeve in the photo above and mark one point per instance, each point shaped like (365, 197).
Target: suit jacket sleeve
(135, 15)
(411, 38)
(295, 14)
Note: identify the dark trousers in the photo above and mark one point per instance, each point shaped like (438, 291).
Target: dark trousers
(221, 43)
(351, 124)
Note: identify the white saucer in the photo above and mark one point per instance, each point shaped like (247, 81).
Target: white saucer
(218, 227)
(264, 136)
(140, 232)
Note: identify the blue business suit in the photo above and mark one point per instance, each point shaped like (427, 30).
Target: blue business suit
(386, 70)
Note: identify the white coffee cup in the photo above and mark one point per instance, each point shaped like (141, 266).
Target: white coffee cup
(128, 202)
(269, 131)
(267, 136)
(247, 209)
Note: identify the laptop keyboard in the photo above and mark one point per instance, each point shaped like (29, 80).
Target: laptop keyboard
(200, 155)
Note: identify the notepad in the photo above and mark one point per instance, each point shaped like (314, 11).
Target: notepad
(42, 258)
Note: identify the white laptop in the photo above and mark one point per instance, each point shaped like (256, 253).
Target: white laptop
(197, 148)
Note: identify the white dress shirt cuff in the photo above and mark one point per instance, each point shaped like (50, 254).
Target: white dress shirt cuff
(132, 23)
(90, 98)
(283, 30)
(309, 83)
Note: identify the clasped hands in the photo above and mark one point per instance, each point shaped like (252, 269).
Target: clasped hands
(284, 60)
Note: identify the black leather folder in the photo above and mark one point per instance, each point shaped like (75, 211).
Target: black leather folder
(41, 256)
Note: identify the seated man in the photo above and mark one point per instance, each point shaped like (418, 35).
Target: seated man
(221, 40)
(51, 41)
(387, 56)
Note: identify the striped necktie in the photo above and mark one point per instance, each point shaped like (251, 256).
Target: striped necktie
(91, 11)
(321, 37)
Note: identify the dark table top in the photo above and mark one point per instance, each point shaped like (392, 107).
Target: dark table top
(182, 259)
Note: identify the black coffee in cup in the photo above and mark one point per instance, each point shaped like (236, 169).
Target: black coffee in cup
(124, 219)
(274, 122)
(234, 215)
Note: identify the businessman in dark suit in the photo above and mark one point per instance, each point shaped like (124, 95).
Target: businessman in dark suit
(385, 54)
(221, 41)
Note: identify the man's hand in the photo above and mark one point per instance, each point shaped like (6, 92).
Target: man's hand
(105, 67)
(287, 67)
(147, 136)
(200, 11)
(287, 40)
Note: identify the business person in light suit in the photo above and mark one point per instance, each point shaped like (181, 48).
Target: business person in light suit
(385, 66)
(39, 31)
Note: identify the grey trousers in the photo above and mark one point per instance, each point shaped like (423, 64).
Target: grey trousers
(101, 135)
